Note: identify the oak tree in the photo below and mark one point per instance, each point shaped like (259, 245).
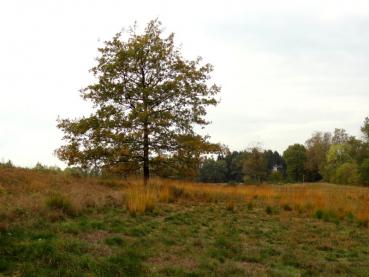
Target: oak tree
(145, 97)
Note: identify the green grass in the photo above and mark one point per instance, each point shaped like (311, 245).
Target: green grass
(186, 239)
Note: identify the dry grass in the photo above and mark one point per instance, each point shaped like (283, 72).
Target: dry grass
(338, 199)
(230, 205)
(26, 192)
(140, 199)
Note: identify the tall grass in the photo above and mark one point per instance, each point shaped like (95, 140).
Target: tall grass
(338, 199)
(140, 199)
(25, 192)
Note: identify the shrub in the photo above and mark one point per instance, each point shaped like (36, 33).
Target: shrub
(319, 214)
(44, 168)
(57, 201)
(329, 215)
(269, 210)
(287, 207)
(76, 172)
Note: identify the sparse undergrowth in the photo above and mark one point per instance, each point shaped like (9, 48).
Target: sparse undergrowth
(92, 227)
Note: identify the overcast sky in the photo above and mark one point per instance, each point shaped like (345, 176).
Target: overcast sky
(287, 68)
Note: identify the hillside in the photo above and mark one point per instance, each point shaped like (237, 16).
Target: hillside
(52, 224)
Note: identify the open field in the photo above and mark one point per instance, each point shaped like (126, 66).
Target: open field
(57, 225)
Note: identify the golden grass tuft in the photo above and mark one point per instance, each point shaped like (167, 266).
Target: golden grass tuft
(140, 199)
(164, 194)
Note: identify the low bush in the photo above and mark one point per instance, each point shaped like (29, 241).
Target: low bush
(287, 207)
(60, 202)
(329, 216)
(269, 210)
(319, 214)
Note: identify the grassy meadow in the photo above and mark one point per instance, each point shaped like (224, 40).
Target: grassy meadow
(52, 224)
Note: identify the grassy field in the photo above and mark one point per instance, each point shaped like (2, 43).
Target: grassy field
(57, 225)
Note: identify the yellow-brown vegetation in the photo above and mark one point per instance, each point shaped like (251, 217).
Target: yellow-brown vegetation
(141, 199)
(338, 199)
(25, 192)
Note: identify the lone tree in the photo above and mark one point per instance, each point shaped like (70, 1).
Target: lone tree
(146, 97)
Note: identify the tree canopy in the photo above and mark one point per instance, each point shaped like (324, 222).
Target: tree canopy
(317, 148)
(295, 157)
(255, 165)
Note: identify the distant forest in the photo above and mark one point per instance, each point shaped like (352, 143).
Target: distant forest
(333, 157)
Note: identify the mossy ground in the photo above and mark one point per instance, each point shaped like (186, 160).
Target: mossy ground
(186, 238)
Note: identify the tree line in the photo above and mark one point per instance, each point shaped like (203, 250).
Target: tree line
(333, 157)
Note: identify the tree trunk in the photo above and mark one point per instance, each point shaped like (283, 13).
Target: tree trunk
(146, 169)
